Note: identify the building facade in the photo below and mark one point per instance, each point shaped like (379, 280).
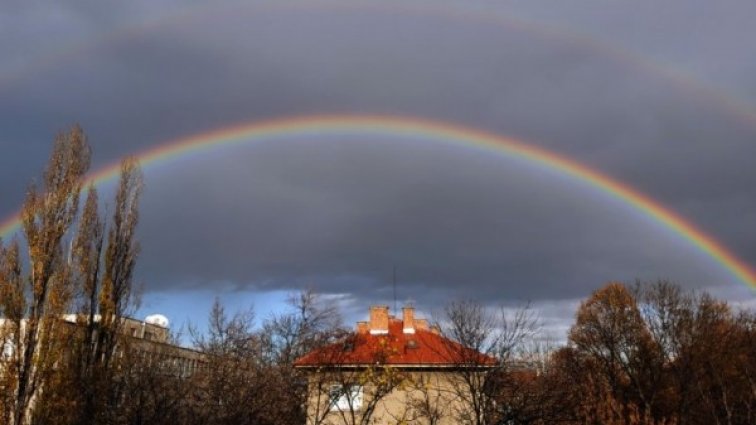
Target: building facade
(391, 370)
(149, 339)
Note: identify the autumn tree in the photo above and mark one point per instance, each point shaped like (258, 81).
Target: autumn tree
(721, 360)
(102, 275)
(610, 328)
(587, 396)
(532, 390)
(32, 302)
(151, 392)
(655, 354)
(57, 368)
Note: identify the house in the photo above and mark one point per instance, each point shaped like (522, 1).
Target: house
(390, 370)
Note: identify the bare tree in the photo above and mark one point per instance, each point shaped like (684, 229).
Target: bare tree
(249, 376)
(531, 390)
(482, 344)
(668, 312)
(310, 323)
(228, 389)
(428, 399)
(342, 390)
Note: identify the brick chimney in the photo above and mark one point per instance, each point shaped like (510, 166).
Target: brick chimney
(362, 327)
(421, 324)
(408, 320)
(379, 320)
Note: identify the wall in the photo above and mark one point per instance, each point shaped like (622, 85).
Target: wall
(419, 396)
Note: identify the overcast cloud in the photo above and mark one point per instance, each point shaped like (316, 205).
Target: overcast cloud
(659, 96)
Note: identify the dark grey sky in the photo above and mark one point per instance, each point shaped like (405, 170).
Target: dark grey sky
(659, 95)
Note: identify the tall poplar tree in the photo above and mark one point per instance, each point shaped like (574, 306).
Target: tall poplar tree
(65, 271)
(33, 302)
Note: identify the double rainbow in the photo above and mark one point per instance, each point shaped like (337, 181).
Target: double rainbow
(473, 14)
(402, 127)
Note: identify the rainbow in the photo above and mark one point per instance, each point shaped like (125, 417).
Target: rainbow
(481, 14)
(391, 126)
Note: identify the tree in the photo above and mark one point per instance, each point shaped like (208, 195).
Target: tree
(33, 303)
(610, 329)
(722, 364)
(533, 390)
(482, 344)
(588, 399)
(340, 390)
(249, 375)
(103, 280)
(668, 312)
(231, 389)
(428, 402)
(310, 323)
(655, 354)
(60, 371)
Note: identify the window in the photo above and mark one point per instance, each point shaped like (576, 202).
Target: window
(343, 396)
(8, 350)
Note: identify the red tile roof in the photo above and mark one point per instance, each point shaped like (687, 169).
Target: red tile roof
(423, 348)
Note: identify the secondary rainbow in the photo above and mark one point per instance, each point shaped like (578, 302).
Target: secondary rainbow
(474, 14)
(403, 127)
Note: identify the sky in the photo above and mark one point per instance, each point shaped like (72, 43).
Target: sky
(657, 95)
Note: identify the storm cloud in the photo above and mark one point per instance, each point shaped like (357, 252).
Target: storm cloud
(627, 89)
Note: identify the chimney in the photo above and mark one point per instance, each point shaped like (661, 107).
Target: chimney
(408, 320)
(362, 328)
(379, 320)
(421, 324)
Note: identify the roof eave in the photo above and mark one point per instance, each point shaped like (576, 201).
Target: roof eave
(397, 365)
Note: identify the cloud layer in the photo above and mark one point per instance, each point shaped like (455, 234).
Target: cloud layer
(585, 81)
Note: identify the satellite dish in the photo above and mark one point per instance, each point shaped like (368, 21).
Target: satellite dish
(157, 320)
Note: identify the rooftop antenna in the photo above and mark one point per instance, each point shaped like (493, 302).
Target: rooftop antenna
(395, 310)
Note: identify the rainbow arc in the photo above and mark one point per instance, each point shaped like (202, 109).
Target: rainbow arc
(403, 127)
